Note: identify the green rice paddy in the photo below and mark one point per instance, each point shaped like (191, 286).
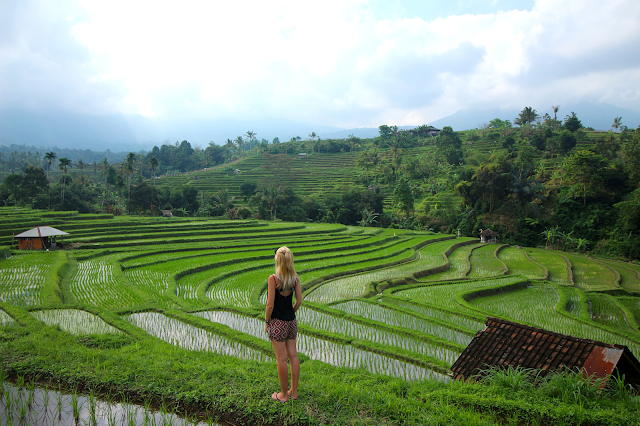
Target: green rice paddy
(396, 303)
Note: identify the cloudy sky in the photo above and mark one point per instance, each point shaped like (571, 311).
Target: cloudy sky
(343, 63)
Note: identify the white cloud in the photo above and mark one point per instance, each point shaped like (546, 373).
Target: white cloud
(328, 62)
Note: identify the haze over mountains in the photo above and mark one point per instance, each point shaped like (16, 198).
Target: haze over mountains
(136, 132)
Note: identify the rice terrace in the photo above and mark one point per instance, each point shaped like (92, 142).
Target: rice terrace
(160, 321)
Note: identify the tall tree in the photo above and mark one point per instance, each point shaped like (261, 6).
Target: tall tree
(555, 109)
(153, 163)
(271, 194)
(240, 144)
(403, 196)
(64, 165)
(449, 145)
(128, 169)
(571, 122)
(81, 165)
(49, 157)
(584, 172)
(617, 122)
(527, 115)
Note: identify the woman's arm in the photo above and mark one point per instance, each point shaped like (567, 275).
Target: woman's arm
(298, 296)
(271, 297)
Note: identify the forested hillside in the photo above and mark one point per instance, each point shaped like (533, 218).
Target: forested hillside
(539, 181)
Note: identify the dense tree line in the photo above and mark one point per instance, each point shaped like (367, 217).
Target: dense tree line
(543, 182)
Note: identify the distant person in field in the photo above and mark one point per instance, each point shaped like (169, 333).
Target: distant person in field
(281, 324)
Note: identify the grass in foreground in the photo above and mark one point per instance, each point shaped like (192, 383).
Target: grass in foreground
(147, 370)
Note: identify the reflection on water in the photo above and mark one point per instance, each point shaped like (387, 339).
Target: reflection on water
(32, 406)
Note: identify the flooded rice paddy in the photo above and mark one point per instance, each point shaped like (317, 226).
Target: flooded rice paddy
(75, 321)
(330, 352)
(35, 406)
(192, 338)
(5, 318)
(398, 319)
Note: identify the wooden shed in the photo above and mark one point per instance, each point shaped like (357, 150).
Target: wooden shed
(40, 238)
(504, 343)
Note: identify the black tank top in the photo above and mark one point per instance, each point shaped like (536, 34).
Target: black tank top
(283, 306)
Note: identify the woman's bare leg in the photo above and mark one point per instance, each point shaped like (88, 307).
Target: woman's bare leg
(292, 353)
(280, 350)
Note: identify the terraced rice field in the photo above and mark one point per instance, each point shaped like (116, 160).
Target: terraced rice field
(484, 263)
(329, 352)
(75, 321)
(22, 277)
(557, 265)
(519, 263)
(535, 305)
(179, 279)
(191, 338)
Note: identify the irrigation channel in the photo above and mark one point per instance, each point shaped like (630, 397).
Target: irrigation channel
(36, 406)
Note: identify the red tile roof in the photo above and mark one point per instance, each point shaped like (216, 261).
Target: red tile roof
(504, 343)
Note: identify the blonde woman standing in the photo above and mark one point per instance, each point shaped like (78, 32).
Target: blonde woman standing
(281, 324)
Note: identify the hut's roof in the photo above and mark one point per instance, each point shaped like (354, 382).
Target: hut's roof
(504, 343)
(489, 233)
(41, 231)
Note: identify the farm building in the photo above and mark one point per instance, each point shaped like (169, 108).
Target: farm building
(506, 343)
(488, 236)
(40, 238)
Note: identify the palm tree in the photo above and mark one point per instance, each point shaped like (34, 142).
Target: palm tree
(555, 109)
(222, 198)
(64, 164)
(526, 116)
(271, 195)
(49, 157)
(617, 122)
(240, 143)
(81, 164)
(375, 159)
(127, 169)
(153, 162)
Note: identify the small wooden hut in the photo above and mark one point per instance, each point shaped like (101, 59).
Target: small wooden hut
(41, 238)
(504, 343)
(488, 236)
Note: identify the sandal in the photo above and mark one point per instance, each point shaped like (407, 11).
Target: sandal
(289, 393)
(274, 396)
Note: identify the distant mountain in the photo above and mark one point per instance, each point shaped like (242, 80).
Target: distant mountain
(121, 132)
(135, 132)
(363, 132)
(597, 115)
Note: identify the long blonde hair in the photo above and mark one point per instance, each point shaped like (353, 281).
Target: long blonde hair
(284, 268)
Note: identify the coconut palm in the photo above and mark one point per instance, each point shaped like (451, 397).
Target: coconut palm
(240, 144)
(617, 122)
(81, 165)
(555, 109)
(271, 194)
(223, 198)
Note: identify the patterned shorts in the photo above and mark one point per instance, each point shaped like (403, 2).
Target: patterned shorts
(282, 330)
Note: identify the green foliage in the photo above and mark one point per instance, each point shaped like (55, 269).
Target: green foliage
(572, 123)
(527, 116)
(449, 145)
